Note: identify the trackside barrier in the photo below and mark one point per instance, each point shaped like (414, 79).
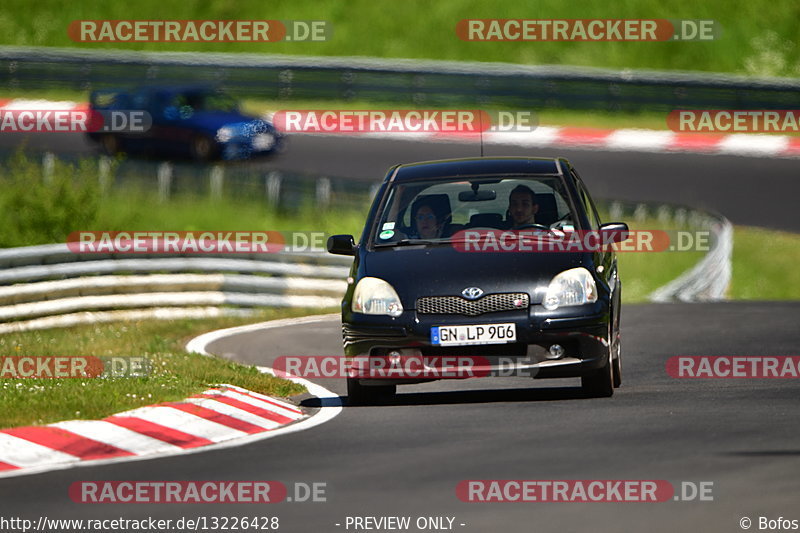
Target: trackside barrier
(49, 286)
(708, 280)
(417, 82)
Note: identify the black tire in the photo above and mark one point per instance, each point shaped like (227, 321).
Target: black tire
(600, 382)
(203, 148)
(358, 394)
(110, 144)
(617, 362)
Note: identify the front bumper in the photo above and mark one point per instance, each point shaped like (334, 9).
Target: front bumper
(245, 147)
(581, 331)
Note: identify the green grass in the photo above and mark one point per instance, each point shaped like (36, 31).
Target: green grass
(36, 210)
(186, 213)
(765, 265)
(758, 37)
(642, 273)
(175, 375)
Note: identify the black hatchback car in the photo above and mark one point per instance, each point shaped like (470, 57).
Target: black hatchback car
(464, 260)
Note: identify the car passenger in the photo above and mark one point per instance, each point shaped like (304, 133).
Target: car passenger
(427, 223)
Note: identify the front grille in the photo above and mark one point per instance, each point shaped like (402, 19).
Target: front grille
(456, 305)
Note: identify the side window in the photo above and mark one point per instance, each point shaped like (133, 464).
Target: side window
(591, 212)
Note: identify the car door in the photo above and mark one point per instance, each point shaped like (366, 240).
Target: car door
(606, 258)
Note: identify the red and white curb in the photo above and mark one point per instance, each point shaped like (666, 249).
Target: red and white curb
(628, 140)
(624, 140)
(220, 417)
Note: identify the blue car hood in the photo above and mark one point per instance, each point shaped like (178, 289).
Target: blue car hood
(211, 121)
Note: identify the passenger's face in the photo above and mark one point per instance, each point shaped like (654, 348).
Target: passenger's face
(522, 208)
(427, 225)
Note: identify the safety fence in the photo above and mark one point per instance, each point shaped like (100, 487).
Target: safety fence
(49, 285)
(707, 280)
(411, 82)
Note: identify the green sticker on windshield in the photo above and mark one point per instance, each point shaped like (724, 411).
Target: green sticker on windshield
(387, 234)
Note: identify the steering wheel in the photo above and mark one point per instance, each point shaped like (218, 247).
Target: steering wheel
(536, 226)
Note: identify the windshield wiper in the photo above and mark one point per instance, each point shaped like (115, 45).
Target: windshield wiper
(409, 242)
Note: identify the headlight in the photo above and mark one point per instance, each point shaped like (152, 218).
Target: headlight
(374, 296)
(263, 141)
(571, 287)
(225, 134)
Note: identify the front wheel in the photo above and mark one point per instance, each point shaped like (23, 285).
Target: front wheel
(617, 351)
(358, 394)
(600, 383)
(202, 148)
(110, 144)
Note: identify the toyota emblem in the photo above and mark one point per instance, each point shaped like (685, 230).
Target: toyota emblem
(472, 293)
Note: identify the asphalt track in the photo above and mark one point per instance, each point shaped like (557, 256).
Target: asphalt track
(405, 459)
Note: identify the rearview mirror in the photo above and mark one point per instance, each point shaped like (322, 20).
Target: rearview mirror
(342, 245)
(477, 196)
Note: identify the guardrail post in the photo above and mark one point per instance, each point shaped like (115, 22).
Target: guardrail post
(373, 190)
(616, 211)
(273, 188)
(48, 167)
(164, 181)
(285, 83)
(323, 192)
(680, 217)
(664, 215)
(217, 176)
(104, 173)
(640, 213)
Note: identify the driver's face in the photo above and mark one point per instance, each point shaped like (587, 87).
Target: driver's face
(522, 208)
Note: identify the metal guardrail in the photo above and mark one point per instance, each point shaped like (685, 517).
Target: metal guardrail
(411, 82)
(707, 280)
(48, 286)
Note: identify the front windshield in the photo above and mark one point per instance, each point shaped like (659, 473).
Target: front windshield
(436, 210)
(187, 103)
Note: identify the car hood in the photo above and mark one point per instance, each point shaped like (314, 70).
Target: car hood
(441, 270)
(211, 121)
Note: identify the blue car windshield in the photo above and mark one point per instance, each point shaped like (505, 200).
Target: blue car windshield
(192, 102)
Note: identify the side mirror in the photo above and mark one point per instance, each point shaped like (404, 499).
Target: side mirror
(614, 232)
(342, 245)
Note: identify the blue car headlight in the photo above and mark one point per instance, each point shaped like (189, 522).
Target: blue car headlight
(226, 133)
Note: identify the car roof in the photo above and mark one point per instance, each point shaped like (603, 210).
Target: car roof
(179, 88)
(161, 89)
(476, 167)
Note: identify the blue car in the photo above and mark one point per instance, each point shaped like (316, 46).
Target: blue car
(198, 122)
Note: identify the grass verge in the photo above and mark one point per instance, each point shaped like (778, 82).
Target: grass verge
(765, 265)
(175, 373)
(757, 36)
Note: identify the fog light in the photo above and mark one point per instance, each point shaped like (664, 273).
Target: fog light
(556, 352)
(394, 357)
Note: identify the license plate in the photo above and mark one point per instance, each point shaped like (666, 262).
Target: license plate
(473, 334)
